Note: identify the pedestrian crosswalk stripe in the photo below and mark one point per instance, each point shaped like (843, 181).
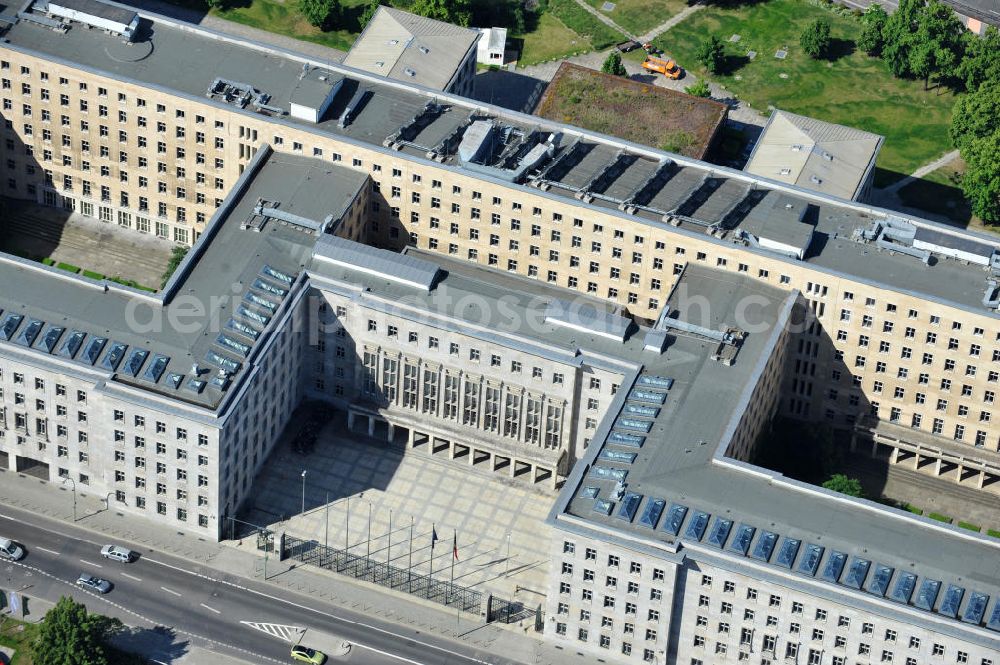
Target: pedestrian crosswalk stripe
(290, 634)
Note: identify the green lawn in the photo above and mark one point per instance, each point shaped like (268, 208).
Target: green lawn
(284, 18)
(853, 90)
(549, 40)
(640, 16)
(585, 24)
(18, 636)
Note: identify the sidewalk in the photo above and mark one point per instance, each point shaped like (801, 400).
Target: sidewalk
(227, 562)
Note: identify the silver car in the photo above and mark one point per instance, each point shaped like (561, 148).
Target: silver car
(93, 583)
(10, 550)
(117, 553)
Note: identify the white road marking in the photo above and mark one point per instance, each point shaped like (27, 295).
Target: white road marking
(284, 632)
(6, 518)
(307, 608)
(210, 609)
(170, 591)
(132, 577)
(91, 563)
(392, 655)
(45, 549)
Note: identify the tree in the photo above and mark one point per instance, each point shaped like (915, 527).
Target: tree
(177, 255)
(898, 38)
(981, 63)
(72, 636)
(699, 89)
(815, 41)
(458, 12)
(519, 22)
(981, 182)
(871, 40)
(712, 54)
(613, 64)
(838, 482)
(938, 43)
(368, 13)
(320, 13)
(976, 115)
(215, 4)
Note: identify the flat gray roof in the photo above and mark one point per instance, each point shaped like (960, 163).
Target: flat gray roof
(681, 461)
(186, 61)
(230, 270)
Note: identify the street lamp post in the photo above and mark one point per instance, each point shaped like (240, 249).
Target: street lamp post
(368, 554)
(73, 487)
(303, 490)
(506, 571)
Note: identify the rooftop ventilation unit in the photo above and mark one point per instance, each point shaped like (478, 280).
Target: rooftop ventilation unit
(991, 299)
(424, 50)
(409, 72)
(729, 340)
(115, 20)
(357, 102)
(265, 211)
(241, 95)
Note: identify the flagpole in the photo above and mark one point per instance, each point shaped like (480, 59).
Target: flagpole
(409, 562)
(431, 573)
(347, 526)
(368, 555)
(454, 555)
(388, 553)
(454, 551)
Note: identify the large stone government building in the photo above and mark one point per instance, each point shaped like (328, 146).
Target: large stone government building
(548, 303)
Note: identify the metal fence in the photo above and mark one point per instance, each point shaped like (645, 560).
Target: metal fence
(382, 573)
(502, 610)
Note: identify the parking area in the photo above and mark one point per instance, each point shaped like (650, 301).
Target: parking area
(354, 486)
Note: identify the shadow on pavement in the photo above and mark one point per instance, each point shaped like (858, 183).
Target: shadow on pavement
(159, 643)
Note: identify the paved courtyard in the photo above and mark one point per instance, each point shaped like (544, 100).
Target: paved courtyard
(363, 476)
(39, 232)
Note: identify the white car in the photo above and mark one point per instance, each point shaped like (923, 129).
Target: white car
(11, 550)
(93, 583)
(117, 553)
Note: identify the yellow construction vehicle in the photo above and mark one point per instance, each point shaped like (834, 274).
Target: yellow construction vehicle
(668, 68)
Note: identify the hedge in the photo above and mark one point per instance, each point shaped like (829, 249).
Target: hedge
(939, 517)
(69, 267)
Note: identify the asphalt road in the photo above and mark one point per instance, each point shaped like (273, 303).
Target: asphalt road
(178, 603)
